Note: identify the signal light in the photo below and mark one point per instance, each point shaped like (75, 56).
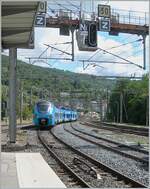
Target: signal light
(92, 34)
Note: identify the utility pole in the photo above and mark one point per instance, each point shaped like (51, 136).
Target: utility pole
(6, 105)
(49, 94)
(144, 52)
(147, 111)
(12, 94)
(81, 7)
(39, 93)
(92, 6)
(31, 96)
(107, 104)
(117, 118)
(21, 101)
(93, 13)
(72, 32)
(121, 99)
(100, 105)
(126, 114)
(42, 95)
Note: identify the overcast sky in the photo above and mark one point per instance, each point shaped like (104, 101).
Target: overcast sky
(131, 51)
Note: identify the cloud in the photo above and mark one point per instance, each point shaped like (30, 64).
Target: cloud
(51, 36)
(112, 70)
(141, 6)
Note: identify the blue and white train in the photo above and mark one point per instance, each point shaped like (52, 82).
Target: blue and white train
(46, 114)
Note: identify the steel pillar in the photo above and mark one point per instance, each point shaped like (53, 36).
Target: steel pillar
(12, 94)
(144, 52)
(72, 32)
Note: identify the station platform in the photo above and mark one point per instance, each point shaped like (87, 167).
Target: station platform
(27, 170)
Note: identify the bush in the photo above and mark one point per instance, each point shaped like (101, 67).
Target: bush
(27, 113)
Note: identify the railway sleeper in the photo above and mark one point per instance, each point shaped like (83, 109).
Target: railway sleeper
(86, 168)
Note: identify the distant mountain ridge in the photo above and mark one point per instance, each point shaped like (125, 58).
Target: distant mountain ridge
(51, 77)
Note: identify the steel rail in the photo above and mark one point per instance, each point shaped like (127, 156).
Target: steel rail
(114, 142)
(125, 130)
(55, 156)
(105, 146)
(142, 129)
(125, 178)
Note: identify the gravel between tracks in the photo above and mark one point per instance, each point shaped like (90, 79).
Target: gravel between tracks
(76, 130)
(68, 156)
(116, 136)
(127, 166)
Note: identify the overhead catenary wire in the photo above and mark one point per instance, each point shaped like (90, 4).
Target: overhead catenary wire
(121, 58)
(116, 46)
(125, 59)
(68, 9)
(43, 52)
(58, 49)
(50, 9)
(92, 64)
(138, 40)
(136, 52)
(140, 49)
(123, 54)
(61, 55)
(78, 7)
(65, 43)
(103, 61)
(61, 5)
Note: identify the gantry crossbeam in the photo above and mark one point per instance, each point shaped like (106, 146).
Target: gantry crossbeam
(115, 27)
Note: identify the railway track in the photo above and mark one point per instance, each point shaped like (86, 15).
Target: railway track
(66, 170)
(136, 148)
(119, 148)
(105, 176)
(127, 129)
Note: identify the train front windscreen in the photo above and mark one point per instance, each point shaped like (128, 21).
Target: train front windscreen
(43, 107)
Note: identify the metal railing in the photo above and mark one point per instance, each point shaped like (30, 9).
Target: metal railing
(129, 17)
(117, 16)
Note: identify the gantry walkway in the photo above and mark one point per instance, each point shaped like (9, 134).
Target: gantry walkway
(122, 21)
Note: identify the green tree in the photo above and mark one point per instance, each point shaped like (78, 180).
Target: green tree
(135, 101)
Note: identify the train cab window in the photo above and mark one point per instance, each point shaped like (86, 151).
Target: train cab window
(43, 107)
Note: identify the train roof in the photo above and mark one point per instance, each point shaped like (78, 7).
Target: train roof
(44, 102)
(59, 107)
(65, 108)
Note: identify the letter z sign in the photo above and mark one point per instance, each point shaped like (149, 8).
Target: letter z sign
(40, 20)
(104, 25)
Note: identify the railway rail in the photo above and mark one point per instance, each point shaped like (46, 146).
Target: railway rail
(110, 145)
(125, 129)
(104, 172)
(74, 177)
(82, 169)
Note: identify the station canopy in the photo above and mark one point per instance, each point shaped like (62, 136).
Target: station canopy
(18, 23)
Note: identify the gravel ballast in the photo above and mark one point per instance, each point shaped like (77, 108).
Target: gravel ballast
(129, 167)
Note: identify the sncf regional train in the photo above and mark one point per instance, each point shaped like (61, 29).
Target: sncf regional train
(46, 114)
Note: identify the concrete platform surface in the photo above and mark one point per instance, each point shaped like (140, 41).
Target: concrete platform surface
(27, 170)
